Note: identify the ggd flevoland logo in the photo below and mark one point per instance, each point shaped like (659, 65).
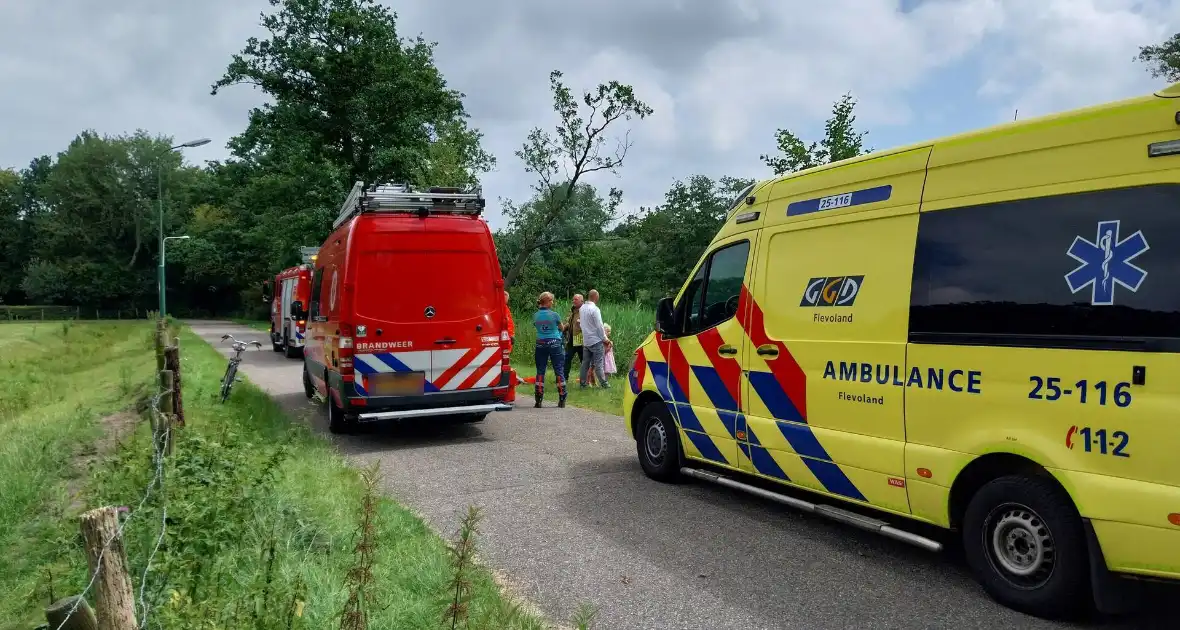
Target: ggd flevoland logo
(832, 291)
(1106, 262)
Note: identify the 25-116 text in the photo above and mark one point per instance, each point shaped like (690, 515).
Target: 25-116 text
(1049, 389)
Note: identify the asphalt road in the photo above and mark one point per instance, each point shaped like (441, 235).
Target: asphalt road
(570, 517)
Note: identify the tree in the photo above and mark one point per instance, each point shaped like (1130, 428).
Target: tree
(1163, 59)
(12, 234)
(346, 89)
(841, 141)
(665, 242)
(455, 157)
(96, 223)
(560, 260)
(560, 160)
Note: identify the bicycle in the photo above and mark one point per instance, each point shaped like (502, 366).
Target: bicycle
(231, 370)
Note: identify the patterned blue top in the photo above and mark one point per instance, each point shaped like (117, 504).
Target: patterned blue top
(546, 321)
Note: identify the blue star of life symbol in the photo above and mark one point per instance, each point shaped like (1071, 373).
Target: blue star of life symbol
(1106, 262)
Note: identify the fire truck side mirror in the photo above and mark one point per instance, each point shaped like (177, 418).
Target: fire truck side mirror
(297, 308)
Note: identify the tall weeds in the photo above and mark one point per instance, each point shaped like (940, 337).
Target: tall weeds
(359, 579)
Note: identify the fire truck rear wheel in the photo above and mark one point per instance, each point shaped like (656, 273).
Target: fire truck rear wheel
(308, 386)
(292, 352)
(337, 421)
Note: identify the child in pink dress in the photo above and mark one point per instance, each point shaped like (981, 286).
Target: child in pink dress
(608, 358)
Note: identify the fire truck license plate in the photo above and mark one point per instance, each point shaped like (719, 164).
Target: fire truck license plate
(397, 384)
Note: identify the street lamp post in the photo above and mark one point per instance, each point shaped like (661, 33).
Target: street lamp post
(162, 246)
(160, 202)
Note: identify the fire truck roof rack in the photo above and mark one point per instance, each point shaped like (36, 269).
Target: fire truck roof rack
(402, 198)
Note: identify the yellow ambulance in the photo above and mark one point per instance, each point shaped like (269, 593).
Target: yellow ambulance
(980, 332)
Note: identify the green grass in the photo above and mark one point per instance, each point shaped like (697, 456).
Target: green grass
(630, 324)
(56, 381)
(253, 324)
(263, 514)
(604, 400)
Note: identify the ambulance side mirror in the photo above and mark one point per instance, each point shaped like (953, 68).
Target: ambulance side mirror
(666, 317)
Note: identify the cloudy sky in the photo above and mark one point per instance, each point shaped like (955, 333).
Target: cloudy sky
(722, 75)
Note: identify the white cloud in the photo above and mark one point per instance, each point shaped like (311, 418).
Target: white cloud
(1061, 54)
(816, 54)
(721, 75)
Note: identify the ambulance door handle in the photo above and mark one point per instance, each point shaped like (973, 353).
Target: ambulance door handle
(767, 351)
(727, 350)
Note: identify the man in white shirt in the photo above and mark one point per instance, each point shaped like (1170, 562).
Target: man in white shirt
(593, 340)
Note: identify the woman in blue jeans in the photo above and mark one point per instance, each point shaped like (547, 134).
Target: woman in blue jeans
(549, 347)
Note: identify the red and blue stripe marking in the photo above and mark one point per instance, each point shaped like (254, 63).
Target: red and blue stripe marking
(783, 390)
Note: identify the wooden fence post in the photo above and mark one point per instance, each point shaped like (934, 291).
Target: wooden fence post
(114, 599)
(163, 428)
(82, 619)
(172, 364)
(160, 336)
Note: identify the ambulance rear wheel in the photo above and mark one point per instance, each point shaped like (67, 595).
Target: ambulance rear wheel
(658, 443)
(1024, 540)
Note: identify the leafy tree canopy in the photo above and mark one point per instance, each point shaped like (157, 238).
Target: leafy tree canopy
(841, 141)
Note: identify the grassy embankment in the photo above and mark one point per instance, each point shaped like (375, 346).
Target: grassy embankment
(630, 323)
(262, 514)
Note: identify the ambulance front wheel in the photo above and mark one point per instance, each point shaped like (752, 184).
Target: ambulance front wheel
(1025, 542)
(658, 443)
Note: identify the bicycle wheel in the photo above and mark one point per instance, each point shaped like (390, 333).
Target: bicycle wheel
(227, 382)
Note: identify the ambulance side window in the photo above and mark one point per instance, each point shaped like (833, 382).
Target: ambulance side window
(690, 303)
(1094, 270)
(316, 286)
(724, 273)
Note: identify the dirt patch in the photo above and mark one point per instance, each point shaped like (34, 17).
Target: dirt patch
(114, 428)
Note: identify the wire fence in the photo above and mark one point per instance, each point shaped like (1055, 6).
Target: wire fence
(167, 393)
(56, 313)
(157, 481)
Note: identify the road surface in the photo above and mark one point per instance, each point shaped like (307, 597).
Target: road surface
(570, 517)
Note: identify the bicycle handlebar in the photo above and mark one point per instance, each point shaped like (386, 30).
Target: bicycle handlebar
(239, 344)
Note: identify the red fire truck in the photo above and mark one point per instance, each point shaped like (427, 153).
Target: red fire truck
(288, 310)
(407, 310)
